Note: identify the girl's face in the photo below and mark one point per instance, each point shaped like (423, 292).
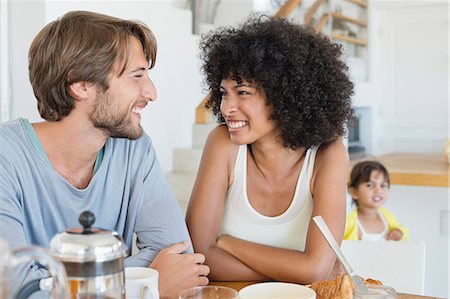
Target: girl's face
(371, 194)
(246, 112)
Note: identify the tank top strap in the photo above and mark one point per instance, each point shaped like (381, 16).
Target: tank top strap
(365, 236)
(310, 159)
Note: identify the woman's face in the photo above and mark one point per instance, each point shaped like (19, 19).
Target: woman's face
(371, 194)
(246, 112)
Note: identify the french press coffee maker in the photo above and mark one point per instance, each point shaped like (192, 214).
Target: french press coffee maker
(93, 259)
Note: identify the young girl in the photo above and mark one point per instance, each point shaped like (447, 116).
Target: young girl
(283, 96)
(369, 221)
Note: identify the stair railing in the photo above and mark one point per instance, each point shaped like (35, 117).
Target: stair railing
(287, 8)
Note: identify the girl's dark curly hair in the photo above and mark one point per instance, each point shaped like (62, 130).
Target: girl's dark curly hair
(299, 70)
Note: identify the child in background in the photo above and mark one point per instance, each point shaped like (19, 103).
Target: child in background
(369, 221)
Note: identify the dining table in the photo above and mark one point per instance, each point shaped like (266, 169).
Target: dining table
(238, 285)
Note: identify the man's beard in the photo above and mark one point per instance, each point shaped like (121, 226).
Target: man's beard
(115, 124)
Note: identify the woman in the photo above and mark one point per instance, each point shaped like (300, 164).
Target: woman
(283, 96)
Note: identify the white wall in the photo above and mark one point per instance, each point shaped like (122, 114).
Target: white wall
(422, 210)
(409, 71)
(176, 74)
(4, 62)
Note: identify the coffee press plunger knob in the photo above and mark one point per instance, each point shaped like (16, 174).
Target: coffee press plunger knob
(87, 219)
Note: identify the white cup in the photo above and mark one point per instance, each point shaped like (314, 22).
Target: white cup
(272, 290)
(141, 283)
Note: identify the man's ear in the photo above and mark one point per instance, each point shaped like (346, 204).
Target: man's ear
(80, 90)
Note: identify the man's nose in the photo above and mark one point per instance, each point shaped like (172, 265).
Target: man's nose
(149, 90)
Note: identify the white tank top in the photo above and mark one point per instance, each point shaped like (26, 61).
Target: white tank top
(287, 230)
(381, 236)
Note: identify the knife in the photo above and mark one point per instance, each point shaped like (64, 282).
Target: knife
(360, 285)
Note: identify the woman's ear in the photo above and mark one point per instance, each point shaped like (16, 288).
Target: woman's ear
(80, 90)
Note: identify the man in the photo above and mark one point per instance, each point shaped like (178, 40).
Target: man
(89, 73)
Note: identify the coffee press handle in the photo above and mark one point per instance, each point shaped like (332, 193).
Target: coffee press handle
(54, 268)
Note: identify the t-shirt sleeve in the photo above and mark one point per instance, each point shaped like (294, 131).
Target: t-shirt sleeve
(11, 225)
(159, 221)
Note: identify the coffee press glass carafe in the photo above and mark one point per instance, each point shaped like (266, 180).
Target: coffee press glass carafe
(57, 285)
(93, 258)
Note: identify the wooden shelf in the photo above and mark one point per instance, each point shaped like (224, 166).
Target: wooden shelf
(361, 3)
(356, 41)
(348, 19)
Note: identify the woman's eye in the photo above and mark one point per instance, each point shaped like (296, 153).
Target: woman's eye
(138, 76)
(222, 93)
(243, 92)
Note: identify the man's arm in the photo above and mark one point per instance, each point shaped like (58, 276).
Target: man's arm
(163, 238)
(11, 226)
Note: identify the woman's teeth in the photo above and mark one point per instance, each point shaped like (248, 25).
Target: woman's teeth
(237, 124)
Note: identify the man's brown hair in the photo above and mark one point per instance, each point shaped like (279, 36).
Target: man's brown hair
(81, 46)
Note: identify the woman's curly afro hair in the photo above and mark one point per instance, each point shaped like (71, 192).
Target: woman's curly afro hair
(300, 71)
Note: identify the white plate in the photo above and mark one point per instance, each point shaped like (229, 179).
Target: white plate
(274, 290)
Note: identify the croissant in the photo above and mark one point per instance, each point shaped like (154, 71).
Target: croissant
(373, 281)
(340, 288)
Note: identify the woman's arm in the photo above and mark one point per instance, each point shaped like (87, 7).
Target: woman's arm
(206, 208)
(317, 261)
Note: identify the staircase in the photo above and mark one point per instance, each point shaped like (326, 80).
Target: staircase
(185, 164)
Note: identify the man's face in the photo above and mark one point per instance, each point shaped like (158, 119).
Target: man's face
(117, 110)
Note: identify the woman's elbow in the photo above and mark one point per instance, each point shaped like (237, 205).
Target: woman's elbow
(318, 273)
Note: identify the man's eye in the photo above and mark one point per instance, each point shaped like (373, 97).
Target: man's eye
(138, 76)
(369, 185)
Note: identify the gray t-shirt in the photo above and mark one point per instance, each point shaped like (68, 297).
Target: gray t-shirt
(128, 193)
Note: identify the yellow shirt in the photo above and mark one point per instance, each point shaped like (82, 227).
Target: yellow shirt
(351, 225)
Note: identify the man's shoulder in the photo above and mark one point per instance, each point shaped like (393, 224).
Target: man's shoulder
(11, 132)
(10, 126)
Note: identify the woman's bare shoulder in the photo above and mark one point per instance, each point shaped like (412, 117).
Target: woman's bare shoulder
(332, 157)
(219, 144)
(332, 151)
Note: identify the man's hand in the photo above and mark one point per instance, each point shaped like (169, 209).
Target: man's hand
(178, 270)
(395, 235)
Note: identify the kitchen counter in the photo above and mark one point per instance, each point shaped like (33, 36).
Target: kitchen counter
(415, 169)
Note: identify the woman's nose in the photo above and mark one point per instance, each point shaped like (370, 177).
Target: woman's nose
(228, 106)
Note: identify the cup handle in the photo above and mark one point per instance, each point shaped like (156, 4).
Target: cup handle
(54, 268)
(149, 293)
